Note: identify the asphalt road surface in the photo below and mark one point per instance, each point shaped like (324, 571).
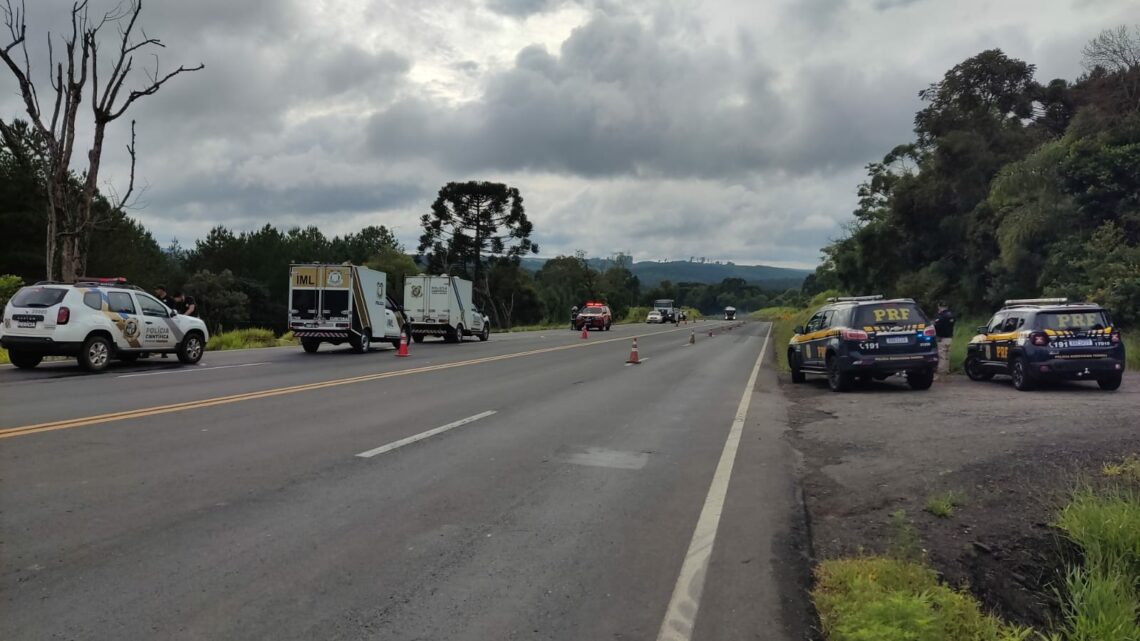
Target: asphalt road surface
(530, 487)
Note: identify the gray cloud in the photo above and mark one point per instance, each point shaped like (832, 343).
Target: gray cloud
(523, 8)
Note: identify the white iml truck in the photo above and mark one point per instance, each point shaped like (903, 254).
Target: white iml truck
(341, 304)
(442, 306)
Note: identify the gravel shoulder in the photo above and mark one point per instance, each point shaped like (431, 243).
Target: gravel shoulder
(1013, 457)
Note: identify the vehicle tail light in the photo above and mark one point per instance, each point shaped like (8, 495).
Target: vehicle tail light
(854, 335)
(929, 332)
(1039, 339)
(1116, 338)
(62, 316)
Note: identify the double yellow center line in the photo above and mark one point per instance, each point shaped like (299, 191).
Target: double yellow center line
(281, 391)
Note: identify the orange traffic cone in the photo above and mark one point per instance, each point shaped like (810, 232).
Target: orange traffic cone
(692, 336)
(585, 331)
(633, 359)
(403, 351)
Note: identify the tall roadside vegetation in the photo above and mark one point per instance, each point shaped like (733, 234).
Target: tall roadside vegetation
(1010, 189)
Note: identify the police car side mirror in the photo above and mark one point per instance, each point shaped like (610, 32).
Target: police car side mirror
(173, 313)
(799, 329)
(983, 330)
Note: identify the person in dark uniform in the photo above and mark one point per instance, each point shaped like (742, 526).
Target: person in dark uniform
(186, 305)
(944, 329)
(167, 300)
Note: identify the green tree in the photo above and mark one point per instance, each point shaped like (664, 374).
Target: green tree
(221, 303)
(565, 282)
(471, 220)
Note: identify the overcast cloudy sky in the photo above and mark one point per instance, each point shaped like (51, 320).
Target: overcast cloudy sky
(736, 130)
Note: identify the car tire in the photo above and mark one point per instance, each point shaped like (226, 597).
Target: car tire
(920, 379)
(485, 334)
(837, 379)
(191, 348)
(25, 360)
(310, 345)
(95, 354)
(975, 370)
(362, 342)
(1110, 383)
(1022, 378)
(794, 365)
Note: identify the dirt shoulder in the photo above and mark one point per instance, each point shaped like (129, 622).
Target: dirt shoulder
(1013, 456)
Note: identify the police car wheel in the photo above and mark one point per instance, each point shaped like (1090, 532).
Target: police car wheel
(798, 375)
(975, 370)
(310, 345)
(95, 354)
(920, 380)
(1111, 382)
(837, 379)
(191, 348)
(25, 360)
(486, 333)
(1019, 370)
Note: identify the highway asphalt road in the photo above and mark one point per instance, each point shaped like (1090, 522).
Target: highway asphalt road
(272, 494)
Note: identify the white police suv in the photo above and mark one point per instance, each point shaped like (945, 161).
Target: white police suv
(95, 321)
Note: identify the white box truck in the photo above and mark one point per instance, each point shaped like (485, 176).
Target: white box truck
(342, 304)
(443, 306)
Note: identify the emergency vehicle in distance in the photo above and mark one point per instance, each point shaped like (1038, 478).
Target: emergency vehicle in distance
(96, 320)
(593, 316)
(443, 306)
(729, 313)
(667, 310)
(341, 304)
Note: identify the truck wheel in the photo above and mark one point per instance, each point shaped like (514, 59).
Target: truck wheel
(485, 334)
(25, 360)
(95, 354)
(1107, 383)
(363, 341)
(191, 348)
(419, 338)
(310, 345)
(837, 379)
(457, 335)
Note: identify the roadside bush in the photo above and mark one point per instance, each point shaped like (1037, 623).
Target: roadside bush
(9, 284)
(4, 357)
(247, 338)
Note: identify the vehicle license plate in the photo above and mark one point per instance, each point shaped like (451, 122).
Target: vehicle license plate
(27, 324)
(897, 340)
(1081, 342)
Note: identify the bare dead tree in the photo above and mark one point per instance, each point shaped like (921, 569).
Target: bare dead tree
(71, 216)
(1114, 50)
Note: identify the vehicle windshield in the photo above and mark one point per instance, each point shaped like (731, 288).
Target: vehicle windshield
(889, 314)
(663, 303)
(38, 297)
(592, 311)
(1080, 319)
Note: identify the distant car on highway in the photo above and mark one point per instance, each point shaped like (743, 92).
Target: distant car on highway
(95, 321)
(654, 317)
(1032, 340)
(863, 337)
(594, 316)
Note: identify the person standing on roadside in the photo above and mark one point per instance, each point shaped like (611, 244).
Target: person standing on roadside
(167, 300)
(944, 329)
(186, 305)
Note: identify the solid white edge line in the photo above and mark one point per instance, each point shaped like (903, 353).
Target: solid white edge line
(422, 435)
(681, 616)
(190, 370)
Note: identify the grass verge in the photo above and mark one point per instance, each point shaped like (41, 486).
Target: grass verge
(784, 321)
(248, 339)
(880, 598)
(1102, 596)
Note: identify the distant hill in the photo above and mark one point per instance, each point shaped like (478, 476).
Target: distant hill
(679, 271)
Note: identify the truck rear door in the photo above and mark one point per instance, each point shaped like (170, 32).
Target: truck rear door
(439, 300)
